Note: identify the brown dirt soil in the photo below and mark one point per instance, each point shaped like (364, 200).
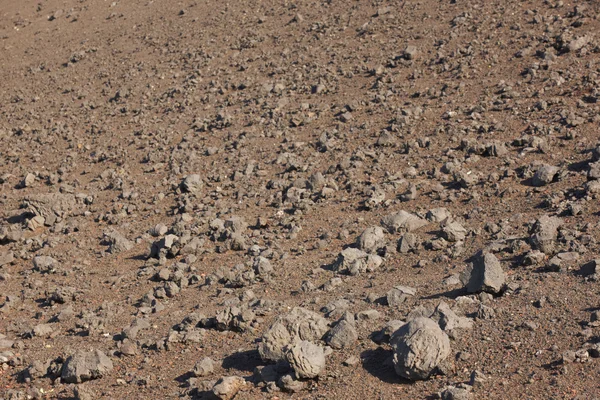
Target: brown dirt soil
(311, 121)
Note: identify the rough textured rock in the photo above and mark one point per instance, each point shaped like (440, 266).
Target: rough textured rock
(544, 175)
(228, 387)
(402, 221)
(299, 324)
(484, 273)
(399, 294)
(419, 348)
(117, 242)
(448, 320)
(307, 359)
(192, 183)
(544, 233)
(371, 239)
(84, 366)
(342, 335)
(353, 261)
(51, 205)
(204, 367)
(45, 264)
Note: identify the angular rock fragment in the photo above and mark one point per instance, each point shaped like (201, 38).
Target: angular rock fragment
(544, 233)
(204, 367)
(192, 183)
(454, 232)
(484, 273)
(299, 324)
(84, 366)
(544, 175)
(342, 335)
(116, 242)
(402, 221)
(354, 261)
(399, 294)
(44, 264)
(449, 320)
(51, 205)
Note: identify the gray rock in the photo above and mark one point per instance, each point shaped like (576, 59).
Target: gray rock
(410, 52)
(44, 264)
(262, 266)
(449, 320)
(485, 312)
(192, 183)
(371, 239)
(6, 258)
(402, 221)
(307, 359)
(228, 387)
(51, 205)
(117, 243)
(454, 232)
(204, 367)
(419, 348)
(354, 261)
(438, 214)
(544, 175)
(399, 294)
(84, 366)
(408, 242)
(484, 274)
(455, 393)
(544, 233)
(299, 324)
(342, 335)
(289, 384)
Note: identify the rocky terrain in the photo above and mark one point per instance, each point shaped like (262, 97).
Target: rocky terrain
(299, 199)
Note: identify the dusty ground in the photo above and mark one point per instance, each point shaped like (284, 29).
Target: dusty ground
(305, 123)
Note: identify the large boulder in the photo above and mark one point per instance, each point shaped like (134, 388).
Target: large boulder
(419, 347)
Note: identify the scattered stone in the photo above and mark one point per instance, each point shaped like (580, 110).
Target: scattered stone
(409, 242)
(228, 387)
(289, 384)
(455, 393)
(351, 361)
(116, 242)
(353, 261)
(484, 273)
(299, 324)
(402, 221)
(6, 258)
(544, 233)
(419, 348)
(399, 294)
(204, 367)
(342, 335)
(192, 183)
(85, 366)
(449, 321)
(371, 239)
(454, 232)
(307, 359)
(44, 264)
(544, 175)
